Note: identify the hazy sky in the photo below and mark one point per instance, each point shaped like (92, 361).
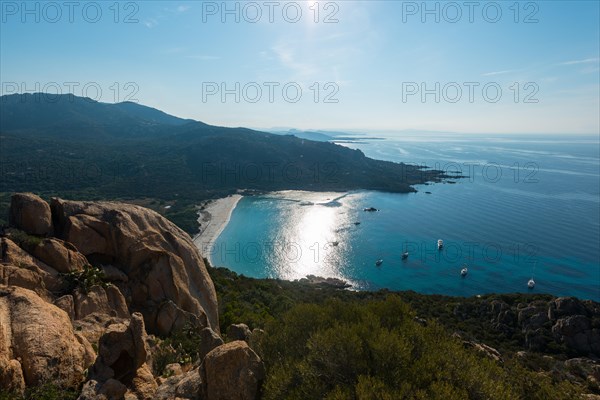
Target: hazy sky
(362, 65)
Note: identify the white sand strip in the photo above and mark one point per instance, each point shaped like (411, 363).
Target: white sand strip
(213, 219)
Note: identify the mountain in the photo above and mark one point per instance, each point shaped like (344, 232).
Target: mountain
(73, 116)
(76, 147)
(310, 135)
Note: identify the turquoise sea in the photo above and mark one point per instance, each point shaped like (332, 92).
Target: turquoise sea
(529, 208)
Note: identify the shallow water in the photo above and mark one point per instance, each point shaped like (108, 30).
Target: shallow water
(530, 207)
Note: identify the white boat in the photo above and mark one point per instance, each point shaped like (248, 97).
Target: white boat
(531, 284)
(440, 244)
(379, 262)
(464, 271)
(405, 255)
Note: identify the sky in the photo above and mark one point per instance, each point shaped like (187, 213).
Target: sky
(473, 67)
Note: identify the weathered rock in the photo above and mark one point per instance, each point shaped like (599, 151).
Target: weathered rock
(525, 314)
(232, 371)
(535, 321)
(485, 349)
(536, 340)
(113, 274)
(507, 317)
(17, 257)
(577, 333)
(239, 332)
(160, 260)
(497, 306)
(143, 385)
(184, 386)
(40, 336)
(173, 369)
(11, 373)
(100, 300)
(66, 304)
(564, 307)
(93, 326)
(190, 386)
(112, 389)
(585, 368)
(209, 340)
(171, 318)
(121, 351)
(89, 391)
(11, 275)
(30, 213)
(60, 255)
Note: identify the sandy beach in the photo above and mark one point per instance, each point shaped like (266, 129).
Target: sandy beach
(213, 219)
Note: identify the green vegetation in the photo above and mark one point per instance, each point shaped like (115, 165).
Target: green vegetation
(23, 239)
(77, 149)
(84, 279)
(48, 391)
(181, 347)
(327, 343)
(375, 350)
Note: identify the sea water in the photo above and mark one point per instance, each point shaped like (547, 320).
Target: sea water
(528, 207)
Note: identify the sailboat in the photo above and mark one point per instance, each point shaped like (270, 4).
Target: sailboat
(531, 282)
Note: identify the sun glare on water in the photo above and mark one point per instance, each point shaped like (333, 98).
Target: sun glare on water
(311, 244)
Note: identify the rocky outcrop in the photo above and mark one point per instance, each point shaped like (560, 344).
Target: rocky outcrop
(232, 371)
(100, 300)
(38, 343)
(186, 386)
(167, 280)
(122, 351)
(209, 340)
(563, 321)
(60, 255)
(31, 214)
(40, 277)
(120, 368)
(239, 332)
(577, 333)
(143, 264)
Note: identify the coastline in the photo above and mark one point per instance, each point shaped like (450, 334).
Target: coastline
(213, 219)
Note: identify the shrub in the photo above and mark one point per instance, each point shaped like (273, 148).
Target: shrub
(84, 279)
(181, 347)
(24, 240)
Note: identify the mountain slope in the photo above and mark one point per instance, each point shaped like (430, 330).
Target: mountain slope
(75, 147)
(72, 116)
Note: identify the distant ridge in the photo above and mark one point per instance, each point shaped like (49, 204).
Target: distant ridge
(73, 146)
(69, 114)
